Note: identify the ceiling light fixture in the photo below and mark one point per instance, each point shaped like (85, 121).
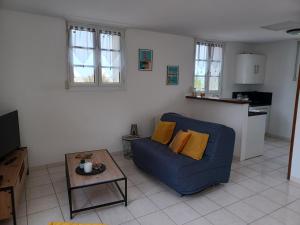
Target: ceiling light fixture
(295, 31)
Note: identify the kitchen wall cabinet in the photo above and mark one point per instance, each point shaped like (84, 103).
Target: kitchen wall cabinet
(250, 69)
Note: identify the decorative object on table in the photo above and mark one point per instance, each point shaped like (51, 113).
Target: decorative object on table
(88, 167)
(172, 75)
(96, 169)
(145, 59)
(134, 130)
(126, 140)
(81, 164)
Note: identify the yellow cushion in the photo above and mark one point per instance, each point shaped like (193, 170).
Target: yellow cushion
(196, 145)
(163, 132)
(69, 223)
(179, 141)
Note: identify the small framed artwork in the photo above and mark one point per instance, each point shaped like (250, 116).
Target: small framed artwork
(145, 59)
(172, 75)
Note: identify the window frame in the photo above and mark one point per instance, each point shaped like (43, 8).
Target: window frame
(207, 74)
(98, 84)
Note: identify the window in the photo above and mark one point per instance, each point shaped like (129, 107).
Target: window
(95, 56)
(208, 67)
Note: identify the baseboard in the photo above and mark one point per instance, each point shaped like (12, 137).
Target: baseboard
(278, 137)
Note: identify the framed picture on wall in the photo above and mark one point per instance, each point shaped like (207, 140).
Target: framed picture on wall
(145, 59)
(172, 75)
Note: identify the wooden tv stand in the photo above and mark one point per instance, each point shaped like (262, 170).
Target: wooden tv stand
(13, 169)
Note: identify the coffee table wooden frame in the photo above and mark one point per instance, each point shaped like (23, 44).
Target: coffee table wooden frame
(124, 195)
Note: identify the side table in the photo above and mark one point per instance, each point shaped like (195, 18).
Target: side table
(126, 140)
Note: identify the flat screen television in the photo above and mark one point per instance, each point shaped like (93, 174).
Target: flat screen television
(9, 133)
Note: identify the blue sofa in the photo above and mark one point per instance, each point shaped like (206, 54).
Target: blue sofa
(186, 175)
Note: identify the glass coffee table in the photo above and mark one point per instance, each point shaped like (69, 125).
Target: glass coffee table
(112, 174)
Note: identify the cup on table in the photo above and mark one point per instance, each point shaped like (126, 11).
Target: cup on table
(88, 167)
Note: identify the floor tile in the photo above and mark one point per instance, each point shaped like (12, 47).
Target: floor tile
(45, 217)
(270, 181)
(58, 177)
(181, 213)
(247, 172)
(155, 219)
(267, 220)
(60, 186)
(221, 197)
(149, 188)
(278, 196)
(114, 215)
(82, 217)
(286, 216)
(288, 188)
(238, 191)
(245, 212)
(38, 172)
(237, 177)
(253, 185)
(165, 199)
(134, 193)
(57, 169)
(37, 181)
(224, 217)
(261, 203)
(79, 199)
(21, 210)
(101, 194)
(295, 206)
(41, 204)
(39, 191)
(202, 205)
(200, 221)
(132, 222)
(142, 207)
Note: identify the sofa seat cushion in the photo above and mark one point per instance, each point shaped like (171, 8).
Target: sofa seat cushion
(159, 160)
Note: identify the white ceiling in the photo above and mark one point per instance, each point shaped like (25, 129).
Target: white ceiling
(227, 20)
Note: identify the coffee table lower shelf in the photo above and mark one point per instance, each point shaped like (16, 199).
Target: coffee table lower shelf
(124, 195)
(112, 175)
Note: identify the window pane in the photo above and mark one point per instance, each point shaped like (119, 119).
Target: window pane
(82, 38)
(111, 59)
(200, 68)
(199, 83)
(216, 53)
(110, 41)
(201, 51)
(110, 75)
(84, 74)
(83, 57)
(215, 68)
(213, 83)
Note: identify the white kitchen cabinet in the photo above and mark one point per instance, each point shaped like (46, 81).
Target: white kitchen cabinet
(255, 136)
(250, 69)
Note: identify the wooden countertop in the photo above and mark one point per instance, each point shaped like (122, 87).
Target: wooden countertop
(217, 99)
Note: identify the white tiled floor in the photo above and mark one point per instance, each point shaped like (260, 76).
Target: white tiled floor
(258, 194)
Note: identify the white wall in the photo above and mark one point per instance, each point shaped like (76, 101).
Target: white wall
(295, 171)
(280, 69)
(53, 120)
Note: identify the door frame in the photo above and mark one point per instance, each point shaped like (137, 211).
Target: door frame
(294, 127)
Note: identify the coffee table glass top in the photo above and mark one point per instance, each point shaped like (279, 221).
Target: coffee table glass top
(112, 172)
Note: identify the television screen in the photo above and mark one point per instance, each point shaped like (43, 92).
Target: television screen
(9, 133)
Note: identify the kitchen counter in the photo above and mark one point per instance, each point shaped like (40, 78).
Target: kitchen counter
(217, 99)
